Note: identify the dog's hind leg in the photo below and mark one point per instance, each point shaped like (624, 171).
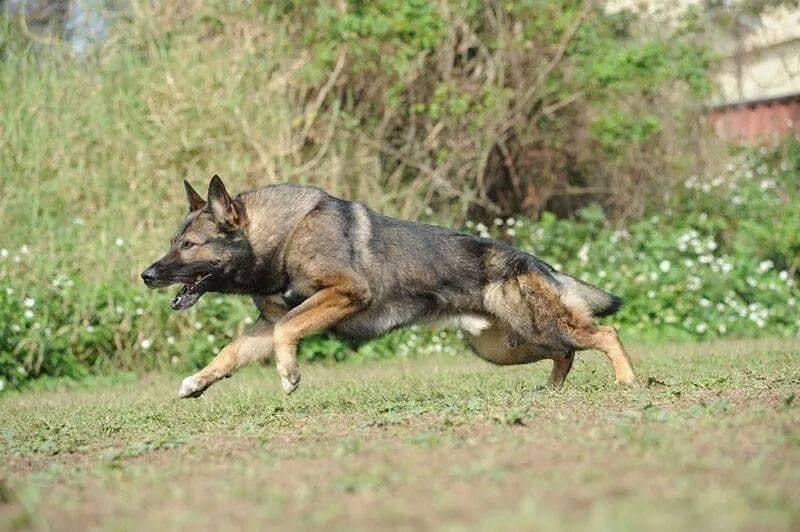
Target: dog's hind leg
(561, 367)
(605, 338)
(255, 344)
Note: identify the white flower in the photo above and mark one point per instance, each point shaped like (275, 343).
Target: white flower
(722, 329)
(480, 227)
(28, 314)
(664, 266)
(9, 291)
(29, 302)
(89, 328)
(78, 221)
(15, 327)
(248, 320)
(146, 343)
(510, 232)
(24, 249)
(784, 275)
(139, 311)
(498, 222)
(210, 338)
(752, 282)
(170, 340)
(119, 242)
(583, 253)
(469, 224)
(510, 222)
(765, 266)
(651, 294)
(4, 253)
(704, 302)
(174, 360)
(701, 328)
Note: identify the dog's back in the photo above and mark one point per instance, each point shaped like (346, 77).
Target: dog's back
(417, 272)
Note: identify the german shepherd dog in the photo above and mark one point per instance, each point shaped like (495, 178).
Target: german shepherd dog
(312, 262)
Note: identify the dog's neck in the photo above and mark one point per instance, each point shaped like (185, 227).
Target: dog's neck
(272, 214)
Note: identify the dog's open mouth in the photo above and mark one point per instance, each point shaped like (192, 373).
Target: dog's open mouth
(190, 293)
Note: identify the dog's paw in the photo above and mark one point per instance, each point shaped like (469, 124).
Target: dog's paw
(191, 387)
(626, 381)
(290, 383)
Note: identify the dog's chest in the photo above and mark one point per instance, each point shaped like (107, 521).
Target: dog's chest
(292, 297)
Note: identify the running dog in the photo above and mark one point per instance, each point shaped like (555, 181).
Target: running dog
(312, 262)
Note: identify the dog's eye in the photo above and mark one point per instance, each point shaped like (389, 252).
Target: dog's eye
(187, 245)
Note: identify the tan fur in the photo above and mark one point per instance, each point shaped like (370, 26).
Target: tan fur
(500, 345)
(363, 233)
(561, 367)
(341, 296)
(534, 308)
(254, 345)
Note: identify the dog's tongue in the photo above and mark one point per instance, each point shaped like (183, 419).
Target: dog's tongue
(185, 298)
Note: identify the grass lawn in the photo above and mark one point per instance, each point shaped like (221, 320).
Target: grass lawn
(709, 439)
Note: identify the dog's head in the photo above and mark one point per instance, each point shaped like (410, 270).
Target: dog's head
(209, 250)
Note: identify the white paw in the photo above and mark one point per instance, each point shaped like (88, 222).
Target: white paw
(289, 384)
(190, 387)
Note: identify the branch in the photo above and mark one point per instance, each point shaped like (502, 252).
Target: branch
(523, 102)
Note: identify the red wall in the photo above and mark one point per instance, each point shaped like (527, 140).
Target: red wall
(757, 123)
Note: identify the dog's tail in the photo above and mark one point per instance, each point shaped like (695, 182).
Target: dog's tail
(599, 303)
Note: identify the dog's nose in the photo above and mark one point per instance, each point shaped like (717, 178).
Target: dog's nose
(149, 276)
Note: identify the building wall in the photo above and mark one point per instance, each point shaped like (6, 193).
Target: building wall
(758, 78)
(765, 122)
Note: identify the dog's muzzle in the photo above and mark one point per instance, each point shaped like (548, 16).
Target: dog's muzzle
(149, 277)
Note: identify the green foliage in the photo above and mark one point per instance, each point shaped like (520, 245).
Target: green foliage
(387, 35)
(618, 131)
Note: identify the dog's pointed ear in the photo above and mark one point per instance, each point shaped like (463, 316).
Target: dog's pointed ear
(224, 208)
(196, 201)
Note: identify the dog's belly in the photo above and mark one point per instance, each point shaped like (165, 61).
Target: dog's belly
(498, 344)
(380, 319)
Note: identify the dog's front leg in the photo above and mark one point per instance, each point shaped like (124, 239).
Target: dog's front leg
(316, 314)
(255, 344)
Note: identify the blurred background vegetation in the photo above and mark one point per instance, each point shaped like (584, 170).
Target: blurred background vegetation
(573, 130)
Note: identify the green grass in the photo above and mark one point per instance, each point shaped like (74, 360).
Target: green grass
(710, 439)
